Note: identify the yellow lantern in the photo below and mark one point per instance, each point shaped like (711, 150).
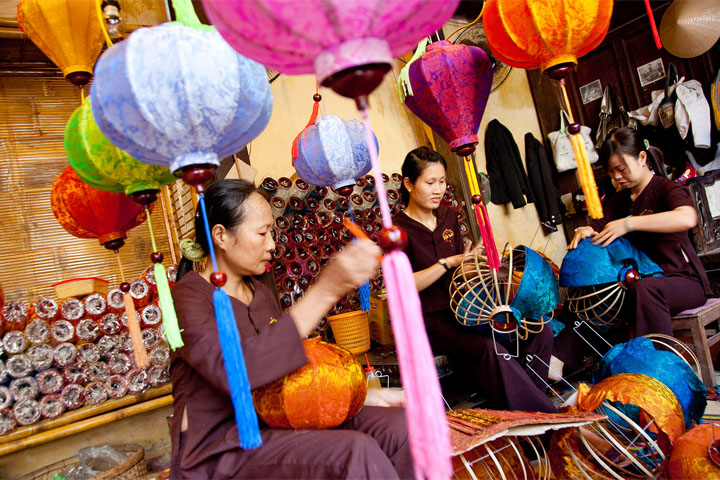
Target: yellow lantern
(67, 31)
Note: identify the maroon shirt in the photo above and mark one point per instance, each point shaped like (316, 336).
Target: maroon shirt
(425, 247)
(665, 249)
(271, 347)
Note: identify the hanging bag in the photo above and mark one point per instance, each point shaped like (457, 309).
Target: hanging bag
(666, 110)
(562, 146)
(611, 117)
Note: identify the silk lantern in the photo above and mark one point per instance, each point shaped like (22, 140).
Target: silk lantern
(323, 394)
(350, 46)
(450, 89)
(551, 35)
(67, 31)
(333, 152)
(178, 95)
(103, 166)
(690, 457)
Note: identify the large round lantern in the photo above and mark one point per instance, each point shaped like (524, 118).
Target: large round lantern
(89, 213)
(551, 35)
(326, 392)
(101, 164)
(176, 96)
(348, 45)
(67, 31)
(333, 152)
(691, 457)
(450, 89)
(597, 278)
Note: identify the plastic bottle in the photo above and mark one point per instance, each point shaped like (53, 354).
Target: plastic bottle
(371, 380)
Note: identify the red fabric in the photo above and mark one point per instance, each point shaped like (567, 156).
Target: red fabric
(88, 213)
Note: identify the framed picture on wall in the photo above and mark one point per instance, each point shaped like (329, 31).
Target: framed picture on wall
(651, 72)
(591, 91)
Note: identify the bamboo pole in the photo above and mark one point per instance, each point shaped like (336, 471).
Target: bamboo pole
(172, 212)
(166, 222)
(83, 425)
(85, 412)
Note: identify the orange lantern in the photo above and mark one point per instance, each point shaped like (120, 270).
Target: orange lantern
(551, 35)
(690, 457)
(326, 392)
(67, 31)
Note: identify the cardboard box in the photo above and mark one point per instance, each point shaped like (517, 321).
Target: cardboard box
(80, 287)
(379, 317)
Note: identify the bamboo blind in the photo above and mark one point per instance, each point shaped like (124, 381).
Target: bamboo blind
(35, 251)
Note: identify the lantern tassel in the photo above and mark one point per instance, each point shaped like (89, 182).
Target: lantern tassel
(653, 26)
(229, 336)
(171, 328)
(404, 88)
(427, 426)
(313, 117)
(141, 358)
(483, 219)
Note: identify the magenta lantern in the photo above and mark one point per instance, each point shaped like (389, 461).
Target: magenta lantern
(451, 85)
(348, 44)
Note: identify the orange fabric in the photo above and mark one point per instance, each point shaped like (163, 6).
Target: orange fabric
(690, 459)
(534, 34)
(652, 396)
(67, 31)
(88, 213)
(511, 461)
(326, 392)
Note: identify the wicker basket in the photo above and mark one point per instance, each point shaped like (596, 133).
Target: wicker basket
(351, 331)
(133, 468)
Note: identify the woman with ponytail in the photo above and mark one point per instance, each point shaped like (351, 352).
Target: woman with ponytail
(205, 442)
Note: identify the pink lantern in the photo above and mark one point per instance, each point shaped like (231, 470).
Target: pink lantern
(348, 44)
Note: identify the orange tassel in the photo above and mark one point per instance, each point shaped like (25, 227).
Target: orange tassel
(141, 358)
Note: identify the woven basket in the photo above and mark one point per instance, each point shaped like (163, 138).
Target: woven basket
(134, 468)
(351, 331)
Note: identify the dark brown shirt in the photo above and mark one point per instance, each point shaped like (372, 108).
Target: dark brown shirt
(271, 347)
(673, 252)
(425, 247)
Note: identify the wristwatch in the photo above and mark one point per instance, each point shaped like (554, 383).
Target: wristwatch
(443, 262)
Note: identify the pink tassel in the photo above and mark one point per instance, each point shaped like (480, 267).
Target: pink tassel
(493, 258)
(428, 431)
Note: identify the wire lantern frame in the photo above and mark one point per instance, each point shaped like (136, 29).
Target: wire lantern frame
(505, 458)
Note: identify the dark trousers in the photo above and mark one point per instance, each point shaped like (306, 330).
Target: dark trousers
(502, 379)
(649, 306)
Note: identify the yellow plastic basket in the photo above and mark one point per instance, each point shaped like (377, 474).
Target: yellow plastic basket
(351, 331)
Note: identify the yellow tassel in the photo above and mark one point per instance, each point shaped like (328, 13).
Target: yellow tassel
(141, 358)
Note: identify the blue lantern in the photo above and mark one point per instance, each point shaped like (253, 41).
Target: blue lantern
(333, 152)
(176, 96)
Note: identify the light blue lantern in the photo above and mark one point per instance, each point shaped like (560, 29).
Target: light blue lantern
(176, 96)
(333, 152)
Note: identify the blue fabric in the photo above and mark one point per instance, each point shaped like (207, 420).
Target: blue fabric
(590, 264)
(640, 356)
(333, 152)
(538, 292)
(176, 96)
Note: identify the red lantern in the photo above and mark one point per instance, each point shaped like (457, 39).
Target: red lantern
(326, 392)
(88, 213)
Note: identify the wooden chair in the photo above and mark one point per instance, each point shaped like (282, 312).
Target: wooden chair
(696, 320)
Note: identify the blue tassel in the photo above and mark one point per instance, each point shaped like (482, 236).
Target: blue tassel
(245, 417)
(365, 296)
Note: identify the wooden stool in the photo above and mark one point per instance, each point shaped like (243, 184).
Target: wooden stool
(695, 320)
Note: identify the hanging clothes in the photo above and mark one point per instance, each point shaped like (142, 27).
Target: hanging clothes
(540, 173)
(508, 180)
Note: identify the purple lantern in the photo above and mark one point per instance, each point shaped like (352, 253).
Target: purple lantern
(333, 152)
(358, 38)
(451, 85)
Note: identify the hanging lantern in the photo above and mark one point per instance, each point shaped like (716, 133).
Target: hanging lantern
(333, 152)
(67, 31)
(551, 35)
(350, 46)
(200, 102)
(326, 392)
(190, 108)
(88, 213)
(101, 164)
(450, 89)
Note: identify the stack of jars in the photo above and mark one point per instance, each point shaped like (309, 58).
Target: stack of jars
(309, 229)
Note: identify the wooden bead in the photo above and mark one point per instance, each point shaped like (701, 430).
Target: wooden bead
(317, 97)
(631, 276)
(156, 257)
(574, 128)
(125, 287)
(393, 238)
(476, 199)
(218, 279)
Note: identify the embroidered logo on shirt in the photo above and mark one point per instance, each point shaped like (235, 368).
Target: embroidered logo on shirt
(272, 320)
(448, 235)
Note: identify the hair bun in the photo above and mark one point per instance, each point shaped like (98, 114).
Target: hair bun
(191, 250)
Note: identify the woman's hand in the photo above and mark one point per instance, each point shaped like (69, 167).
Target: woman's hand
(456, 260)
(612, 231)
(581, 233)
(385, 397)
(351, 267)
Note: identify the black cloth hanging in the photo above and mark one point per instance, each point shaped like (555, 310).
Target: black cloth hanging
(508, 180)
(540, 172)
